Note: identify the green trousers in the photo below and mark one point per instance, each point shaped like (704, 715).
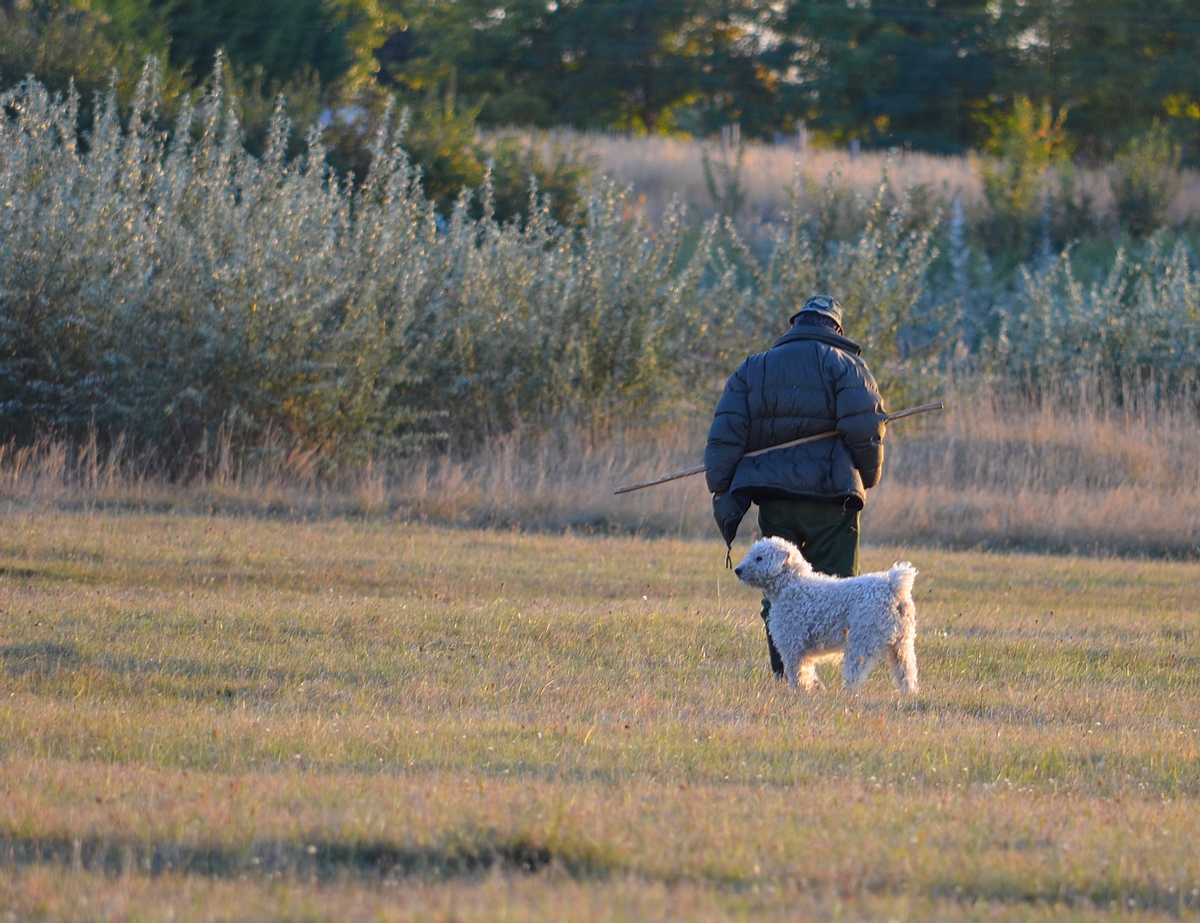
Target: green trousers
(826, 534)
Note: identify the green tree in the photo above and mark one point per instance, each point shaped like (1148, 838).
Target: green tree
(642, 65)
(335, 39)
(494, 57)
(1145, 179)
(905, 72)
(1118, 64)
(1028, 143)
(63, 43)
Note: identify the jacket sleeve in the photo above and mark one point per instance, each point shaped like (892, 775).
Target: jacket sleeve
(728, 433)
(860, 418)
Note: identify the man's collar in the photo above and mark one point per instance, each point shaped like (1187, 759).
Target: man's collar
(822, 334)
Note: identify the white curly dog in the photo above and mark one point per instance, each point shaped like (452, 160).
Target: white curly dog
(816, 618)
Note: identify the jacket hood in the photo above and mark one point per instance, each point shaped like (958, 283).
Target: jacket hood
(821, 334)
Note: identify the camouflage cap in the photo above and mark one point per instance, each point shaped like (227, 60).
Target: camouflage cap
(821, 304)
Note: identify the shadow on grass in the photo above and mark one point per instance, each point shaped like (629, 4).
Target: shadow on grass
(38, 657)
(1112, 895)
(472, 858)
(323, 860)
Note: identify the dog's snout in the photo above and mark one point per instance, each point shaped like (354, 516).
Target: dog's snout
(737, 571)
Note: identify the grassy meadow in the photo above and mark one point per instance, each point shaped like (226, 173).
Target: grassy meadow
(219, 717)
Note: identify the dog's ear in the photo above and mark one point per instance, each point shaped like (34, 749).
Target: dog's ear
(797, 562)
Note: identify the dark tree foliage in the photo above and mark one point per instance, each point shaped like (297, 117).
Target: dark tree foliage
(280, 36)
(643, 65)
(930, 74)
(61, 44)
(904, 72)
(495, 57)
(650, 65)
(1116, 65)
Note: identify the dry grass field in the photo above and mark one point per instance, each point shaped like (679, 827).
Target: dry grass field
(660, 167)
(239, 718)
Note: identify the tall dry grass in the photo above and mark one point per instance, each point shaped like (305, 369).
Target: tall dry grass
(1073, 470)
(1068, 472)
(659, 168)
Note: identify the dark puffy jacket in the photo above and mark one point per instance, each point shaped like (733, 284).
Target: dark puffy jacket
(812, 380)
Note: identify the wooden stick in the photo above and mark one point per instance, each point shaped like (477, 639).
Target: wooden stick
(688, 472)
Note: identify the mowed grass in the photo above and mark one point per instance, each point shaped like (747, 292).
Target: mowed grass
(237, 718)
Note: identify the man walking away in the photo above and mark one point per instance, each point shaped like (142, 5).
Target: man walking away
(811, 380)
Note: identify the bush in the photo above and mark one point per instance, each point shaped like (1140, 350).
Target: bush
(1028, 144)
(171, 287)
(452, 157)
(168, 289)
(1145, 180)
(518, 167)
(1139, 322)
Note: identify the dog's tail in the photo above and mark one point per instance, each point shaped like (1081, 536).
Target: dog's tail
(900, 579)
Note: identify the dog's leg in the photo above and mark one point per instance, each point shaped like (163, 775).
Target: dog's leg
(857, 662)
(902, 655)
(855, 672)
(809, 681)
(903, 663)
(894, 665)
(903, 659)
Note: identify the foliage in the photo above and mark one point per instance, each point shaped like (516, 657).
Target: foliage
(156, 287)
(1028, 143)
(1145, 179)
(647, 66)
(908, 72)
(723, 174)
(489, 55)
(335, 40)
(173, 288)
(453, 156)
(1119, 64)
(911, 73)
(63, 45)
(256, 99)
(1138, 322)
(442, 140)
(640, 66)
(538, 323)
(879, 272)
(524, 171)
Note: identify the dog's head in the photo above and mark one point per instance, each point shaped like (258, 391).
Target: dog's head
(768, 560)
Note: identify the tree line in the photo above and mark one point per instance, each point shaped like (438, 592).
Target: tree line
(932, 75)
